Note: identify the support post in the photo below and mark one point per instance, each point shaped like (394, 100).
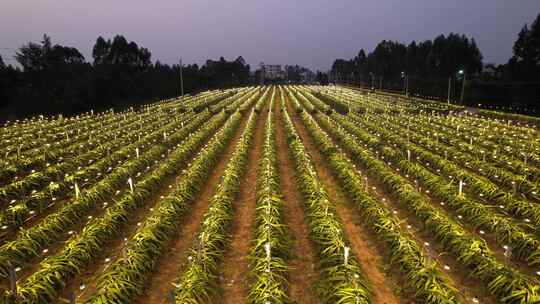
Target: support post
(181, 81)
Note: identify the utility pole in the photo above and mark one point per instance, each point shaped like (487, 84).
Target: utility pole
(405, 78)
(463, 87)
(181, 80)
(407, 86)
(449, 84)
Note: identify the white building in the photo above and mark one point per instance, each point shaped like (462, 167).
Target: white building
(272, 71)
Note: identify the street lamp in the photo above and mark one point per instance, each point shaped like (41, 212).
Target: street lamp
(181, 81)
(405, 83)
(449, 85)
(462, 72)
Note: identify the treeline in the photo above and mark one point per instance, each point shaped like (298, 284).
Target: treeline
(427, 67)
(525, 62)
(52, 78)
(392, 61)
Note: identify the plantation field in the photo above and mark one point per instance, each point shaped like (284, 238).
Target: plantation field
(272, 194)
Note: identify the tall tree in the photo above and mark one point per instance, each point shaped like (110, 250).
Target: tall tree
(55, 75)
(430, 62)
(525, 62)
(101, 50)
(321, 78)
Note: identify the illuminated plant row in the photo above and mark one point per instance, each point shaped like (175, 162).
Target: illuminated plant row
(509, 116)
(117, 121)
(269, 252)
(198, 283)
(19, 166)
(212, 101)
(370, 104)
(55, 271)
(19, 128)
(488, 137)
(514, 128)
(342, 280)
(423, 277)
(71, 146)
(32, 241)
(126, 277)
(492, 165)
(66, 135)
(20, 137)
(27, 147)
(492, 132)
(21, 133)
(18, 211)
(510, 236)
(483, 188)
(86, 175)
(507, 284)
(39, 179)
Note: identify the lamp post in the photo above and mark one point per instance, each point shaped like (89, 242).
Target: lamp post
(407, 86)
(462, 72)
(181, 81)
(405, 78)
(449, 85)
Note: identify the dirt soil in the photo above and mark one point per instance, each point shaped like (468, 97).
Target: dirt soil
(113, 248)
(172, 263)
(304, 270)
(468, 287)
(366, 255)
(234, 274)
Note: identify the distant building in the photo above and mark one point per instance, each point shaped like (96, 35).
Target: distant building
(272, 71)
(491, 71)
(307, 76)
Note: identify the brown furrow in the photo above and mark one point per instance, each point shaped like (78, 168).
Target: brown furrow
(173, 261)
(234, 275)
(369, 259)
(304, 272)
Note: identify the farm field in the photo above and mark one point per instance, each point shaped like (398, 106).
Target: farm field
(272, 194)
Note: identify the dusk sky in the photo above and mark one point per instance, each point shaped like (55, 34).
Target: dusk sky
(309, 33)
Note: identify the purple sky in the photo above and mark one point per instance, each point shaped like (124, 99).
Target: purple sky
(309, 33)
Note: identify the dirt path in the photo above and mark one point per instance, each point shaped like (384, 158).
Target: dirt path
(370, 261)
(234, 274)
(172, 262)
(303, 273)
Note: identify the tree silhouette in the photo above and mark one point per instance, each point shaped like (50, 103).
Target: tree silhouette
(428, 63)
(525, 62)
